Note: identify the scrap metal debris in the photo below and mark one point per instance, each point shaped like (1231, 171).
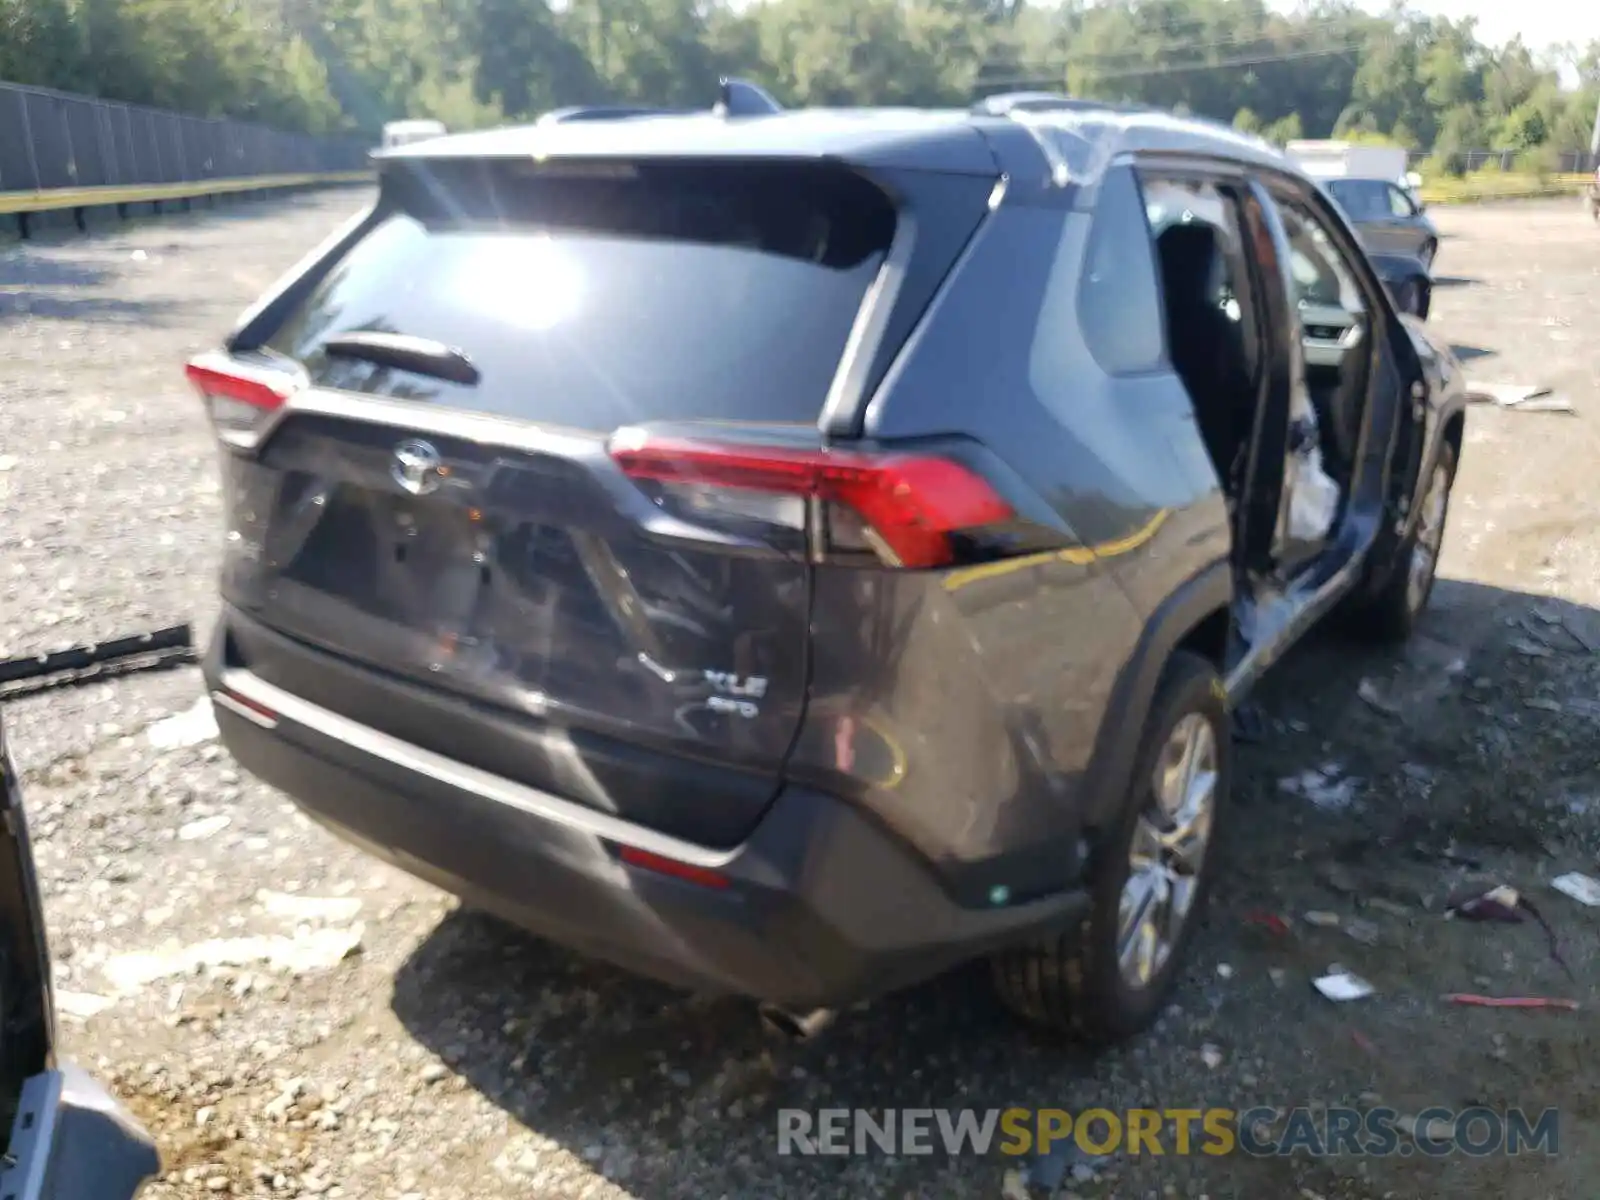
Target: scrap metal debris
(193, 725)
(1546, 1002)
(1368, 691)
(80, 1006)
(1498, 904)
(1581, 888)
(307, 951)
(202, 828)
(1505, 903)
(337, 909)
(1327, 787)
(1341, 985)
(1518, 397)
(1269, 921)
(158, 650)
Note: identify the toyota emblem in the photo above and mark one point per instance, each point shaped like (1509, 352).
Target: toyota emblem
(417, 467)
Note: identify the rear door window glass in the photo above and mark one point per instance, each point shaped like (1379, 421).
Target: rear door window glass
(598, 296)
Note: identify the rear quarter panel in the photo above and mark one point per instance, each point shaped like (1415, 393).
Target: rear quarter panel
(1001, 686)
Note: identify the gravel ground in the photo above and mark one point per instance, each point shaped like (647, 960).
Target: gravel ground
(344, 1031)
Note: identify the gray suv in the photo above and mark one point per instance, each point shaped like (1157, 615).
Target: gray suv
(793, 554)
(1388, 219)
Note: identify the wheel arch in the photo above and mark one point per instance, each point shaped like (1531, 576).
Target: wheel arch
(1196, 616)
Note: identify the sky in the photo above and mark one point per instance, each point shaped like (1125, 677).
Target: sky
(1541, 23)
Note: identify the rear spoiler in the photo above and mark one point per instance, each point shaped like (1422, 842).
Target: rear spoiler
(735, 98)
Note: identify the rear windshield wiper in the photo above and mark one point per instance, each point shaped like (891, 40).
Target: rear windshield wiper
(420, 356)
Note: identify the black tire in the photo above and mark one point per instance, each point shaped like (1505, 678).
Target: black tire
(1073, 983)
(1391, 613)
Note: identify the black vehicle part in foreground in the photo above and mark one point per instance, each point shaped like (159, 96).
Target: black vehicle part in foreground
(796, 553)
(155, 651)
(1408, 282)
(70, 1140)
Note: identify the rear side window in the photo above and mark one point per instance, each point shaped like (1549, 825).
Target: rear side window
(1119, 306)
(599, 295)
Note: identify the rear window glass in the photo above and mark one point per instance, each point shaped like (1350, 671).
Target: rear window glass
(1362, 199)
(594, 296)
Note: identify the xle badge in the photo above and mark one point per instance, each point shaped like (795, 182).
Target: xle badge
(736, 694)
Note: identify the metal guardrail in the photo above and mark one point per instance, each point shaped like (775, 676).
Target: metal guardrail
(58, 199)
(60, 151)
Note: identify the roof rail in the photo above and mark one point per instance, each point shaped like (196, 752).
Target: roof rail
(601, 112)
(741, 98)
(735, 98)
(1009, 102)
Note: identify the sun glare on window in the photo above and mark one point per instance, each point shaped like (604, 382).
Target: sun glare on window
(530, 281)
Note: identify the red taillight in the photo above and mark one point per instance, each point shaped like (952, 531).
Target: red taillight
(662, 865)
(239, 396)
(913, 503)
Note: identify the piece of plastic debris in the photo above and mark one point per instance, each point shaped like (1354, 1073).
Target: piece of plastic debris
(204, 827)
(1323, 786)
(9, 462)
(82, 1005)
(1278, 976)
(1364, 932)
(306, 951)
(189, 728)
(1340, 985)
(333, 909)
(1529, 648)
(1580, 887)
(1313, 497)
(1518, 397)
(1322, 920)
(1511, 1001)
(1368, 691)
(1501, 903)
(1436, 1130)
(1014, 1186)
(1270, 921)
(1224, 971)
(139, 256)
(1211, 1055)
(1385, 905)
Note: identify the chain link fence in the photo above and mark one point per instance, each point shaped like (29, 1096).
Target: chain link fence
(52, 139)
(1568, 162)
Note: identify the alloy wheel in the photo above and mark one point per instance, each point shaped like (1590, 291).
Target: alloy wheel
(1167, 853)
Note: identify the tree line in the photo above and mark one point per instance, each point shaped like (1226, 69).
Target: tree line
(1328, 69)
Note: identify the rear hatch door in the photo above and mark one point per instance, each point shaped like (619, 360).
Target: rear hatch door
(441, 509)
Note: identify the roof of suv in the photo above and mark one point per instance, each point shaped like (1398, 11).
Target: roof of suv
(1079, 138)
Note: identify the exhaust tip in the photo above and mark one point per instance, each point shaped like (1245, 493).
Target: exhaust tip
(796, 1026)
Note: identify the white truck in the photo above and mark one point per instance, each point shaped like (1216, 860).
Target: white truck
(401, 133)
(1350, 160)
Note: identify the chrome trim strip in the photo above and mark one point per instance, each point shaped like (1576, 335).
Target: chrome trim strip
(468, 779)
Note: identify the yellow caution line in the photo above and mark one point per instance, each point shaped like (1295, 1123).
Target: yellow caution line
(88, 197)
(1078, 556)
